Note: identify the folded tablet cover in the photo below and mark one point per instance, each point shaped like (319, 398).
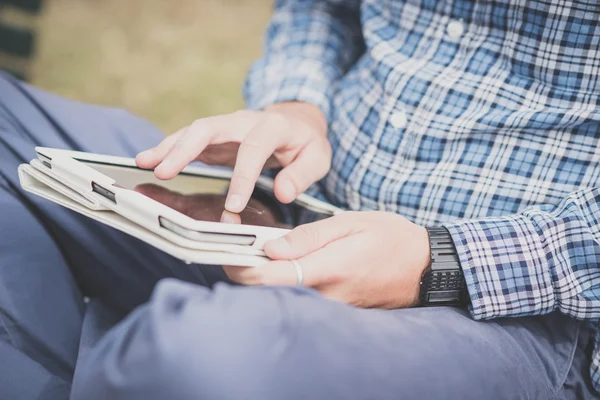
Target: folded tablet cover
(42, 181)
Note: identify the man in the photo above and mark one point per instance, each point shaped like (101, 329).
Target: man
(476, 119)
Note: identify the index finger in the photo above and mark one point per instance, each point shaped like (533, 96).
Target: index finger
(254, 151)
(192, 142)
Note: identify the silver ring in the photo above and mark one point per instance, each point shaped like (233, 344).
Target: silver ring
(299, 272)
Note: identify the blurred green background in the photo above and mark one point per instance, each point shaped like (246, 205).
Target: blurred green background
(170, 61)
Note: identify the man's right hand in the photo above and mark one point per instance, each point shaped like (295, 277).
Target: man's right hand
(289, 135)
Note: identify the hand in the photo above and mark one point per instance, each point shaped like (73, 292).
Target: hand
(288, 135)
(367, 259)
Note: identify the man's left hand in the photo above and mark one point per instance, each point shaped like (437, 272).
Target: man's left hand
(367, 259)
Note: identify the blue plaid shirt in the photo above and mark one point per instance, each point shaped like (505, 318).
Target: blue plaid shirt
(479, 115)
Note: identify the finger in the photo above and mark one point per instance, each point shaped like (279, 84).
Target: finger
(319, 268)
(275, 273)
(311, 165)
(187, 147)
(231, 218)
(254, 151)
(220, 154)
(308, 238)
(150, 158)
(268, 274)
(198, 136)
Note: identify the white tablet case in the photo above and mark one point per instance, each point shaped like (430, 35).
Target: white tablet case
(63, 189)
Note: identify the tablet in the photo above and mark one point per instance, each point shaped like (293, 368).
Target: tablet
(188, 209)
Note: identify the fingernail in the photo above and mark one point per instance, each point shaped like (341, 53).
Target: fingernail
(280, 246)
(288, 190)
(227, 218)
(234, 203)
(164, 165)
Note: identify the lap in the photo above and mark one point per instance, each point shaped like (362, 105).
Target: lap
(51, 257)
(291, 343)
(40, 306)
(106, 264)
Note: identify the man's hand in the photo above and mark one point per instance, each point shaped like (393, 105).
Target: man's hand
(368, 259)
(289, 135)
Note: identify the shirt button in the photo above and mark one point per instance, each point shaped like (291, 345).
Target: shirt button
(455, 29)
(399, 120)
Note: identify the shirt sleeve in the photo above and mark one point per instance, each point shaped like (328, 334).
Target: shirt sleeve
(309, 46)
(543, 259)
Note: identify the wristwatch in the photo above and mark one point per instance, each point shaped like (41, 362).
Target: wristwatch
(443, 282)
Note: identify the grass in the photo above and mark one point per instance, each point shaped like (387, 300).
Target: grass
(169, 61)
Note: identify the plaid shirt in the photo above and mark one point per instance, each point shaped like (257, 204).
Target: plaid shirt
(479, 115)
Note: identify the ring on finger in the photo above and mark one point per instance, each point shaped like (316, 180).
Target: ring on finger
(299, 272)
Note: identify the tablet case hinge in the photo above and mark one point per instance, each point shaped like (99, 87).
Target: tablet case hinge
(104, 192)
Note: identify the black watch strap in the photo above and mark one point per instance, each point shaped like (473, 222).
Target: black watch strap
(443, 282)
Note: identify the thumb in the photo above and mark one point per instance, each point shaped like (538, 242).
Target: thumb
(307, 238)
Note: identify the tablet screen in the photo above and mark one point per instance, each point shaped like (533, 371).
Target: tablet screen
(200, 197)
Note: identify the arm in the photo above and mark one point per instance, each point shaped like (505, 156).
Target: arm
(543, 259)
(310, 44)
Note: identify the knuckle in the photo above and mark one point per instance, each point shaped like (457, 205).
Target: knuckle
(242, 114)
(242, 119)
(206, 126)
(251, 144)
(243, 184)
(166, 142)
(278, 120)
(180, 144)
(198, 125)
(243, 179)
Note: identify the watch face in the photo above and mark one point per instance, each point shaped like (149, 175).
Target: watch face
(441, 288)
(444, 296)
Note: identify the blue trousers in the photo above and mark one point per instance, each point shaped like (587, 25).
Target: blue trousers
(157, 328)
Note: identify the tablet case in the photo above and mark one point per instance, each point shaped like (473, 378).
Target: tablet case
(36, 178)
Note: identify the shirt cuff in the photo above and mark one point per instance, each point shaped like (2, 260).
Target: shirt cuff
(301, 80)
(505, 267)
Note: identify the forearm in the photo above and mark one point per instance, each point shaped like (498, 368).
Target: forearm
(535, 262)
(309, 46)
